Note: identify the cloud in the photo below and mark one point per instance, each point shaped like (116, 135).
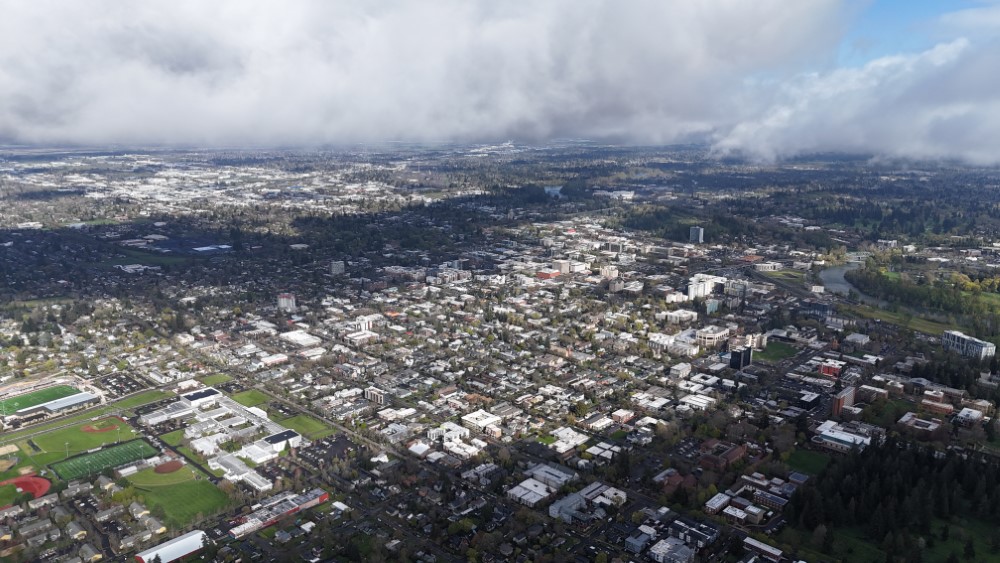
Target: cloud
(755, 78)
(942, 103)
(313, 72)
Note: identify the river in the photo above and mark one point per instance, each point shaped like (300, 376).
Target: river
(833, 281)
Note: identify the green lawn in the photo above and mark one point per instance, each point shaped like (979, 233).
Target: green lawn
(173, 438)
(182, 495)
(91, 464)
(79, 441)
(217, 379)
(7, 495)
(143, 398)
(311, 428)
(548, 440)
(250, 398)
(808, 461)
(776, 351)
(35, 398)
(789, 276)
(849, 546)
(959, 532)
(900, 318)
(193, 455)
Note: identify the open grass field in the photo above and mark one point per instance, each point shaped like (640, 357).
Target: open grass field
(91, 464)
(790, 276)
(196, 457)
(217, 379)
(900, 318)
(137, 400)
(7, 495)
(80, 440)
(960, 531)
(54, 446)
(808, 461)
(250, 398)
(182, 494)
(849, 545)
(776, 351)
(311, 428)
(173, 438)
(35, 398)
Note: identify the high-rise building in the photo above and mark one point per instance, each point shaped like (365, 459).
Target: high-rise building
(697, 235)
(337, 267)
(740, 357)
(286, 302)
(845, 398)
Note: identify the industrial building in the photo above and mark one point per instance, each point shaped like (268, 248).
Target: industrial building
(277, 507)
(174, 549)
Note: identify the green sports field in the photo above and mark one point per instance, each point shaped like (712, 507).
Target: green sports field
(80, 440)
(311, 428)
(126, 405)
(35, 398)
(217, 379)
(182, 494)
(87, 465)
(250, 398)
(7, 495)
(56, 445)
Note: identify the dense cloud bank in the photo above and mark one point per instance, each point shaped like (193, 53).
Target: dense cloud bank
(755, 78)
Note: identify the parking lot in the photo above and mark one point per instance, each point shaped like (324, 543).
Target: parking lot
(121, 384)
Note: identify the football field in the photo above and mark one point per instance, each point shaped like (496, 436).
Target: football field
(90, 464)
(13, 404)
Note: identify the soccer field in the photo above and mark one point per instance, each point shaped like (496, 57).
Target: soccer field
(311, 428)
(183, 495)
(93, 463)
(34, 398)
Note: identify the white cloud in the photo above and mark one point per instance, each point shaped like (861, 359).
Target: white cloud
(941, 103)
(755, 77)
(301, 72)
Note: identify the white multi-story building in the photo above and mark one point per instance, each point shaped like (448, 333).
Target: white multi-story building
(480, 420)
(671, 550)
(375, 395)
(286, 302)
(767, 266)
(703, 285)
(967, 345)
(609, 272)
(711, 336)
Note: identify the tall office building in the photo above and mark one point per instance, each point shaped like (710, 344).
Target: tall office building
(741, 357)
(697, 235)
(286, 302)
(337, 267)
